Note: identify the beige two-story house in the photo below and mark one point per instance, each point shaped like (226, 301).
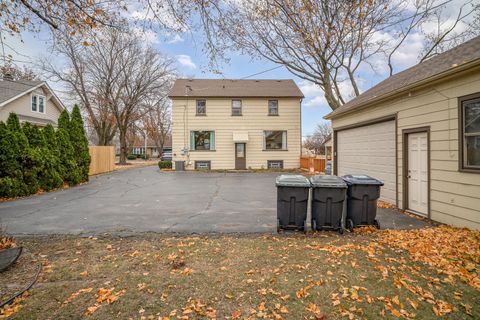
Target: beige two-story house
(236, 124)
(32, 101)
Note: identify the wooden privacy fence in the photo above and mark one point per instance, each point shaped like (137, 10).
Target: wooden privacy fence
(102, 159)
(318, 165)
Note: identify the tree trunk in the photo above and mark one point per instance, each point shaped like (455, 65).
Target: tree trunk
(123, 146)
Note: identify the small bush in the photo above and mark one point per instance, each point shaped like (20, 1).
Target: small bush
(132, 157)
(165, 164)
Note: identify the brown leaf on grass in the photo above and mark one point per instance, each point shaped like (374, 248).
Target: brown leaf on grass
(7, 243)
(236, 314)
(413, 303)
(84, 273)
(312, 307)
(104, 296)
(76, 294)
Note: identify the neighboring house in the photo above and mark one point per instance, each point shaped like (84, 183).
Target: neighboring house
(328, 144)
(236, 124)
(32, 101)
(152, 150)
(419, 132)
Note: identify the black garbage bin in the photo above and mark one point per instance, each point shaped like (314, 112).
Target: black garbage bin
(292, 202)
(328, 202)
(362, 195)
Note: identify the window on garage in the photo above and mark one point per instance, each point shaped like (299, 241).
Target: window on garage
(470, 132)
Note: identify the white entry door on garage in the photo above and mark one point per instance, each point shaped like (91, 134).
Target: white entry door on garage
(369, 150)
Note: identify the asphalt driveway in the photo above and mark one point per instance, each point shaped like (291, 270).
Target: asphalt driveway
(145, 199)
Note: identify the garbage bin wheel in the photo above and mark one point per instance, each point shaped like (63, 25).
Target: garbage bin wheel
(278, 226)
(314, 225)
(376, 224)
(340, 230)
(350, 225)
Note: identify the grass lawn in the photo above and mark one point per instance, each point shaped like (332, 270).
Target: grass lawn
(420, 274)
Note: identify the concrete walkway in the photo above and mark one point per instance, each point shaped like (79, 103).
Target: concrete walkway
(145, 199)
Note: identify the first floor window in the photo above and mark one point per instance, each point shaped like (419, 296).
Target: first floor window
(275, 140)
(34, 103)
(202, 140)
(470, 115)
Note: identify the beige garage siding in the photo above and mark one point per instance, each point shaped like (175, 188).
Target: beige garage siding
(254, 120)
(454, 195)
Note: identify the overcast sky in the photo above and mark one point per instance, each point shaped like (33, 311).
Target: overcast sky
(192, 62)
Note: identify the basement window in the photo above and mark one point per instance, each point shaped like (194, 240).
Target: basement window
(470, 126)
(275, 164)
(202, 165)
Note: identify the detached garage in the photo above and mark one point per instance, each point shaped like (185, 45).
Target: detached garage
(419, 132)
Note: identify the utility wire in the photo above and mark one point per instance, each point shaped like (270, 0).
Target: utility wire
(256, 74)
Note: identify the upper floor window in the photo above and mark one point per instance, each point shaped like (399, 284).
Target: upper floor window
(202, 140)
(275, 140)
(201, 107)
(470, 120)
(273, 107)
(236, 107)
(38, 103)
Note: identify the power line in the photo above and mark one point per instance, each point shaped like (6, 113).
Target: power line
(256, 74)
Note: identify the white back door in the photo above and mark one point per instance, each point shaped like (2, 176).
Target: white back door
(417, 173)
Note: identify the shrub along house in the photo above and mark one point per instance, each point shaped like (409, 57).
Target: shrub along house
(419, 132)
(236, 124)
(32, 101)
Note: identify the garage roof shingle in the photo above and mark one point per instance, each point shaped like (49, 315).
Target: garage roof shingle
(442, 63)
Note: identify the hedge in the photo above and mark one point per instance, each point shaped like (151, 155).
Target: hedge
(35, 159)
(165, 164)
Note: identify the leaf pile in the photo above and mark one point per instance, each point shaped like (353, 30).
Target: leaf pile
(7, 243)
(450, 251)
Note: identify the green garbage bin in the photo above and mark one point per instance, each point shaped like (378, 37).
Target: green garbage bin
(292, 202)
(328, 202)
(362, 195)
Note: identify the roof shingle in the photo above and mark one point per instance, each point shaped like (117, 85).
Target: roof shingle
(445, 62)
(10, 89)
(227, 88)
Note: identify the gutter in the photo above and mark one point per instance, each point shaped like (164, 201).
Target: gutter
(390, 95)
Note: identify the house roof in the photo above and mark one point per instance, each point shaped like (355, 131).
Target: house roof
(229, 88)
(11, 90)
(442, 65)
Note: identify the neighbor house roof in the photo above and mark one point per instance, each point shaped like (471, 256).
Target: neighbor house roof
(225, 88)
(459, 58)
(10, 90)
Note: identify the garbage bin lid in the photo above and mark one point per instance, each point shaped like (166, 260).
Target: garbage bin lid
(361, 179)
(292, 180)
(328, 182)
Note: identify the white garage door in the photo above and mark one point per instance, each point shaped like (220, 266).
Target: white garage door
(369, 150)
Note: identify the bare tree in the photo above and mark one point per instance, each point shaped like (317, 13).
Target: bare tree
(316, 141)
(18, 73)
(322, 41)
(157, 123)
(87, 76)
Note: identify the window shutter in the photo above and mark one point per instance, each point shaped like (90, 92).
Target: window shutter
(212, 140)
(284, 140)
(192, 140)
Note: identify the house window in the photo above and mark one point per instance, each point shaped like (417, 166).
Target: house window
(202, 140)
(273, 107)
(470, 119)
(202, 165)
(275, 164)
(275, 140)
(201, 107)
(34, 103)
(38, 103)
(236, 107)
